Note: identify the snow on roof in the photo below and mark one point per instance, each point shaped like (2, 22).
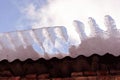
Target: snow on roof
(54, 41)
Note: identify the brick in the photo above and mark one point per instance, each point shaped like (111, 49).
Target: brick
(6, 73)
(75, 74)
(80, 78)
(63, 79)
(112, 78)
(90, 73)
(14, 78)
(68, 79)
(31, 76)
(102, 73)
(28, 79)
(23, 79)
(43, 76)
(117, 77)
(92, 78)
(4, 78)
(114, 72)
(43, 79)
(103, 78)
(57, 79)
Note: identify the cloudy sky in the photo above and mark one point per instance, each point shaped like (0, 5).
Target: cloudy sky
(25, 14)
(12, 16)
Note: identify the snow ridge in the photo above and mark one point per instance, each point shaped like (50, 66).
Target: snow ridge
(48, 42)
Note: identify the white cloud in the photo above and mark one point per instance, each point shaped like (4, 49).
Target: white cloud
(63, 12)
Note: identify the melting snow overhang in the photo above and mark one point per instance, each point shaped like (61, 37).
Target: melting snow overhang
(51, 42)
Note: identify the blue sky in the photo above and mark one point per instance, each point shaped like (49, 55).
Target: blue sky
(10, 13)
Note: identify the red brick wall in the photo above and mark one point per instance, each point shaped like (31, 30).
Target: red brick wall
(74, 76)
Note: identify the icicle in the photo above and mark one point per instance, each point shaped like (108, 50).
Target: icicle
(50, 49)
(37, 42)
(45, 33)
(15, 39)
(61, 32)
(4, 48)
(21, 39)
(95, 30)
(32, 34)
(5, 41)
(110, 24)
(1, 41)
(52, 34)
(61, 42)
(1, 46)
(27, 37)
(39, 35)
(10, 41)
(79, 27)
(64, 33)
